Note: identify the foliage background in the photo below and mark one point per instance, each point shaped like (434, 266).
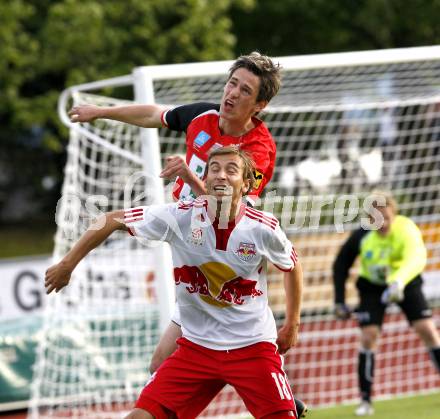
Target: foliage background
(47, 45)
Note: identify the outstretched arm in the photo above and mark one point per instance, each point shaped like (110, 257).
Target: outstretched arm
(288, 333)
(147, 116)
(58, 275)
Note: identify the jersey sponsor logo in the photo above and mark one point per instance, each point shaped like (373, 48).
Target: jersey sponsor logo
(197, 166)
(216, 284)
(246, 251)
(258, 178)
(201, 139)
(182, 190)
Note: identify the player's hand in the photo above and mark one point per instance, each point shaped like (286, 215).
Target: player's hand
(176, 166)
(57, 277)
(342, 311)
(287, 337)
(84, 113)
(393, 293)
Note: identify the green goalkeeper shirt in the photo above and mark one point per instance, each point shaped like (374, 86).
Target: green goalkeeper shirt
(398, 256)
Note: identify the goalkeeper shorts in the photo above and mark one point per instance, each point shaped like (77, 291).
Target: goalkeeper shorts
(372, 311)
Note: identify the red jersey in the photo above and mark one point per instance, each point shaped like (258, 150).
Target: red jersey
(200, 121)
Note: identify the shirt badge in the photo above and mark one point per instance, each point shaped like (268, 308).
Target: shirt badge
(201, 139)
(246, 251)
(196, 237)
(258, 178)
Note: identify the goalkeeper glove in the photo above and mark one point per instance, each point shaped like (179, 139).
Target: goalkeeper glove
(393, 293)
(342, 312)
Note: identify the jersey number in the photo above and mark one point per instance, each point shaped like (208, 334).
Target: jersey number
(282, 386)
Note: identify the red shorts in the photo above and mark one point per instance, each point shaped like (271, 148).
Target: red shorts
(191, 377)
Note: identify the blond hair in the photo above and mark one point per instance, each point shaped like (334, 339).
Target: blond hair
(248, 163)
(381, 199)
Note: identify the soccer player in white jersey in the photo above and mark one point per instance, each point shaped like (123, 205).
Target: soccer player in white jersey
(252, 82)
(220, 252)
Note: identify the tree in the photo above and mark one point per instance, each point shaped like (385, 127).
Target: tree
(48, 45)
(294, 27)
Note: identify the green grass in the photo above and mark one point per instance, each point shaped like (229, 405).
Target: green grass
(419, 407)
(29, 239)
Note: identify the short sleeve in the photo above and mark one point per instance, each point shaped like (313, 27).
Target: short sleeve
(156, 222)
(178, 118)
(280, 250)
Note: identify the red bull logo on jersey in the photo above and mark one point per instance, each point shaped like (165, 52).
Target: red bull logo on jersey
(217, 284)
(246, 251)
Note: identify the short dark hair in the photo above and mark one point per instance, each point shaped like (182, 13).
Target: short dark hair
(262, 66)
(248, 163)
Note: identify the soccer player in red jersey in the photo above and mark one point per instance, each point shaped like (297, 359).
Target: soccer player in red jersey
(229, 331)
(253, 81)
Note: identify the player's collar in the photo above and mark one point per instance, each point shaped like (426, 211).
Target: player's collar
(230, 224)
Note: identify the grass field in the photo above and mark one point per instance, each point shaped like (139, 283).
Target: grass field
(419, 407)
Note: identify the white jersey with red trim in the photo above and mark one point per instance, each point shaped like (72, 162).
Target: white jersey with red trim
(200, 121)
(220, 269)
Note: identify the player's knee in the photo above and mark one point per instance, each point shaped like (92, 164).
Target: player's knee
(427, 331)
(285, 414)
(369, 337)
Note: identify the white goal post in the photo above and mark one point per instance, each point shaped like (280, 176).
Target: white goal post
(344, 124)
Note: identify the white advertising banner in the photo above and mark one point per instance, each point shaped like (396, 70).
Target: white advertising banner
(22, 286)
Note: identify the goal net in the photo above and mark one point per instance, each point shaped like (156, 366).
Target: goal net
(344, 124)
